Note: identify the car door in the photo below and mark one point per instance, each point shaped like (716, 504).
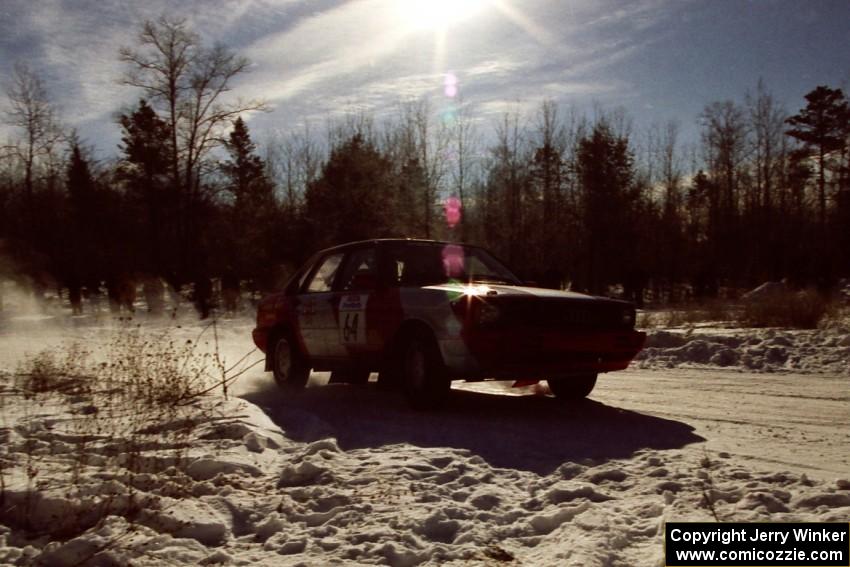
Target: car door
(316, 309)
(356, 301)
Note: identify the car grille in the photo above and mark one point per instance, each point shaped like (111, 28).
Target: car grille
(565, 314)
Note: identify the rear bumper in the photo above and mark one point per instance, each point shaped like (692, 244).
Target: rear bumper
(261, 338)
(539, 355)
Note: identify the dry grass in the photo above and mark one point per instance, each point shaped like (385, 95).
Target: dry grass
(805, 309)
(123, 415)
(790, 309)
(711, 311)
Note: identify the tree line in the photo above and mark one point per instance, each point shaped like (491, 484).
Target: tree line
(565, 199)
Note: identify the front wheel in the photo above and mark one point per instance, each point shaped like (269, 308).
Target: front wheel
(288, 366)
(423, 374)
(572, 387)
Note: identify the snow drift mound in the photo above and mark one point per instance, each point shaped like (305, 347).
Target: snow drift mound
(754, 350)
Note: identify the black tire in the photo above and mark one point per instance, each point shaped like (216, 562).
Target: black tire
(389, 376)
(288, 365)
(349, 377)
(572, 387)
(424, 379)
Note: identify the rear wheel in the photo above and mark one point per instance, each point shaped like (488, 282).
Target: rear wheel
(572, 387)
(288, 366)
(423, 376)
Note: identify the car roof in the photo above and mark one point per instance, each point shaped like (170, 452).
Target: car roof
(347, 245)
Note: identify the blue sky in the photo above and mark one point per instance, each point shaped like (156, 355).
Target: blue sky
(314, 59)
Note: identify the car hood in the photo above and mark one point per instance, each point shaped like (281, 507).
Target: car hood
(502, 290)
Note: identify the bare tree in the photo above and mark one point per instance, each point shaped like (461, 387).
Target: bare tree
(161, 69)
(668, 250)
(294, 160)
(464, 140)
(399, 141)
(670, 163)
(188, 82)
(548, 177)
(32, 112)
(767, 120)
(505, 219)
(418, 150)
(724, 139)
(431, 145)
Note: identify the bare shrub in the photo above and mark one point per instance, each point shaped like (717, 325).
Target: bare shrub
(709, 499)
(792, 309)
(126, 420)
(647, 320)
(837, 317)
(63, 371)
(708, 311)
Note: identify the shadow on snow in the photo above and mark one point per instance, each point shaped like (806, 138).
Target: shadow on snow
(533, 433)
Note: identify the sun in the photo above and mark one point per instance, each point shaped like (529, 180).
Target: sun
(436, 14)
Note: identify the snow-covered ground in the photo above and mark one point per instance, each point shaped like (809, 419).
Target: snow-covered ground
(749, 350)
(348, 475)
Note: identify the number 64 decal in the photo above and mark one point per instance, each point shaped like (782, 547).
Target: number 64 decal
(352, 319)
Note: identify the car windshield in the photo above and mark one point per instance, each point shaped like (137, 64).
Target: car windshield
(418, 264)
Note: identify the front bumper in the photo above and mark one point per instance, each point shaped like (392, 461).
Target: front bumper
(539, 355)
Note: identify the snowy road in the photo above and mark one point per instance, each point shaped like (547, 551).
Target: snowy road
(801, 422)
(798, 422)
(499, 475)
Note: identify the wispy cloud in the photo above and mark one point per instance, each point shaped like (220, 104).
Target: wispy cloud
(312, 57)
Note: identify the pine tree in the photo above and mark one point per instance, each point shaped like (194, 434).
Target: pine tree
(606, 175)
(80, 185)
(246, 172)
(823, 126)
(354, 198)
(146, 143)
(248, 247)
(79, 263)
(146, 146)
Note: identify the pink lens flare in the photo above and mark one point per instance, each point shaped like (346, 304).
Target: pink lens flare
(453, 211)
(453, 260)
(450, 85)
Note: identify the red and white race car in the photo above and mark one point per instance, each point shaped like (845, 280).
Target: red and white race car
(423, 313)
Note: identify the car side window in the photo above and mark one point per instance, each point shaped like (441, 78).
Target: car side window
(360, 271)
(419, 265)
(323, 277)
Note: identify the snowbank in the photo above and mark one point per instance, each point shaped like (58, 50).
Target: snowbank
(751, 350)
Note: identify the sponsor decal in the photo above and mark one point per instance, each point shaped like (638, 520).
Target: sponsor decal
(352, 319)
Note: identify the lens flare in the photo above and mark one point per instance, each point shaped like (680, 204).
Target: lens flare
(450, 85)
(452, 207)
(453, 261)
